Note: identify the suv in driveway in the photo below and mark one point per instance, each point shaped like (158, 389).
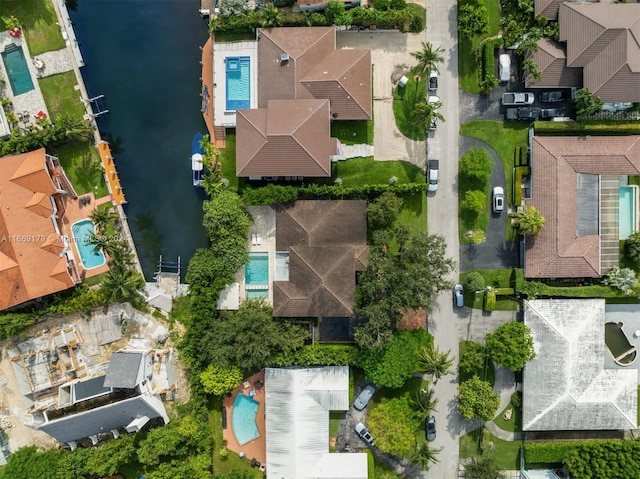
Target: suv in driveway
(433, 175)
(548, 113)
(364, 397)
(523, 113)
(364, 434)
(498, 199)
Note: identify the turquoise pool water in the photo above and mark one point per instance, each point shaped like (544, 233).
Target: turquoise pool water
(82, 231)
(238, 83)
(17, 70)
(257, 271)
(627, 211)
(243, 419)
(256, 293)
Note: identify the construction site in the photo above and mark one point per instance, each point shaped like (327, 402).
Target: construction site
(82, 379)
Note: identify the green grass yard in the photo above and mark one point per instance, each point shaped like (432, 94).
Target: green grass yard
(496, 278)
(507, 453)
(352, 132)
(414, 212)
(61, 97)
(367, 171)
(228, 159)
(38, 19)
(82, 165)
(405, 99)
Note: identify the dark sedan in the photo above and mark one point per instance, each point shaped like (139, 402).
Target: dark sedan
(547, 113)
(430, 428)
(552, 96)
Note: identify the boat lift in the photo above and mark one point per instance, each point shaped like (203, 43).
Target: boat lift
(168, 270)
(97, 105)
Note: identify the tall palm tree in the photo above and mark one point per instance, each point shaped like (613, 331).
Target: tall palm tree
(528, 221)
(424, 455)
(103, 218)
(531, 70)
(270, 16)
(435, 362)
(424, 403)
(424, 113)
(74, 127)
(120, 284)
(106, 243)
(428, 59)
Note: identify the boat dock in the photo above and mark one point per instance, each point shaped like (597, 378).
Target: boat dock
(111, 173)
(216, 133)
(206, 7)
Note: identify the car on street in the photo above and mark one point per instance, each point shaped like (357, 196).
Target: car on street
(364, 397)
(547, 113)
(505, 67)
(434, 121)
(364, 434)
(430, 428)
(498, 199)
(551, 96)
(515, 99)
(433, 80)
(433, 175)
(458, 295)
(617, 106)
(525, 113)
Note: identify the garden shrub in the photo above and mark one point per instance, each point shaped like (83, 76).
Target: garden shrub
(547, 452)
(320, 355)
(476, 236)
(521, 171)
(489, 301)
(474, 282)
(516, 399)
(393, 423)
(488, 76)
(270, 194)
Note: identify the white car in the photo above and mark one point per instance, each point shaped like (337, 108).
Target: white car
(518, 99)
(505, 67)
(433, 175)
(498, 199)
(617, 106)
(434, 121)
(364, 434)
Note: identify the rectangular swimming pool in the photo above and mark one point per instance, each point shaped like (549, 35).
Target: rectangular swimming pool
(17, 69)
(627, 213)
(257, 271)
(238, 83)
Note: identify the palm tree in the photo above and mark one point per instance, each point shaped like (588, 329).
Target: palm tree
(435, 362)
(424, 455)
(106, 243)
(424, 403)
(424, 113)
(270, 16)
(74, 127)
(120, 284)
(428, 59)
(528, 221)
(103, 218)
(530, 69)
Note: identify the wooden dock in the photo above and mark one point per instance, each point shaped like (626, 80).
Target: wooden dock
(111, 173)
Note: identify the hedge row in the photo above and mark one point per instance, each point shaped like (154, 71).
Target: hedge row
(489, 300)
(519, 173)
(488, 76)
(23, 142)
(600, 127)
(409, 19)
(551, 452)
(272, 194)
(320, 355)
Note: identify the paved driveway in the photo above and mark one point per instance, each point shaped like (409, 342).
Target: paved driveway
(495, 252)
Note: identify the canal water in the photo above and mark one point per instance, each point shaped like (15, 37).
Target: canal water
(144, 56)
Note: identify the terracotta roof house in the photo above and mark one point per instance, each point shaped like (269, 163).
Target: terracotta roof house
(287, 138)
(302, 63)
(551, 60)
(603, 40)
(572, 383)
(575, 186)
(327, 245)
(35, 256)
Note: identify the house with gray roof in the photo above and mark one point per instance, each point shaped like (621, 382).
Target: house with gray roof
(568, 386)
(297, 406)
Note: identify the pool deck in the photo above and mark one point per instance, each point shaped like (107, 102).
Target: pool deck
(264, 225)
(258, 447)
(223, 117)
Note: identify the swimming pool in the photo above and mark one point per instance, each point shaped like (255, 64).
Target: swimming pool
(623, 352)
(243, 419)
(627, 211)
(17, 70)
(257, 271)
(238, 86)
(82, 231)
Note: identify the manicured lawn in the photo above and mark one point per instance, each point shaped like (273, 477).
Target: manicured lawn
(496, 278)
(405, 99)
(469, 53)
(61, 97)
(222, 37)
(504, 137)
(367, 171)
(228, 159)
(486, 371)
(352, 132)
(414, 212)
(82, 165)
(334, 423)
(469, 220)
(507, 453)
(38, 18)
(514, 424)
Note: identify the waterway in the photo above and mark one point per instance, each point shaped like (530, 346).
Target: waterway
(144, 56)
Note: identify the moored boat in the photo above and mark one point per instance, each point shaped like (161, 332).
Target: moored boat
(197, 165)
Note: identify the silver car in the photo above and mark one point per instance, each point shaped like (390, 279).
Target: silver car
(364, 397)
(364, 434)
(458, 296)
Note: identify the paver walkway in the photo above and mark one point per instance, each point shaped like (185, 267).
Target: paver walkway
(57, 61)
(356, 151)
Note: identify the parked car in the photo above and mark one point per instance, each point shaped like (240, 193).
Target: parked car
(505, 67)
(430, 428)
(523, 113)
(617, 106)
(433, 81)
(433, 175)
(511, 99)
(434, 121)
(364, 434)
(364, 397)
(498, 199)
(546, 113)
(552, 96)
(458, 295)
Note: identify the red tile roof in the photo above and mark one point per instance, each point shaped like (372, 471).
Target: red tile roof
(557, 252)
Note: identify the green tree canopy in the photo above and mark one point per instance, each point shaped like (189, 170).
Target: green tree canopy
(393, 424)
(473, 19)
(586, 104)
(474, 201)
(382, 212)
(511, 345)
(474, 282)
(219, 380)
(428, 59)
(405, 272)
(434, 362)
(476, 399)
(397, 361)
(476, 167)
(632, 247)
(424, 455)
(425, 112)
(27, 462)
(529, 221)
(598, 459)
(473, 356)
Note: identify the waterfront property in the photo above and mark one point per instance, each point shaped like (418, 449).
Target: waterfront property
(573, 383)
(17, 69)
(91, 257)
(575, 185)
